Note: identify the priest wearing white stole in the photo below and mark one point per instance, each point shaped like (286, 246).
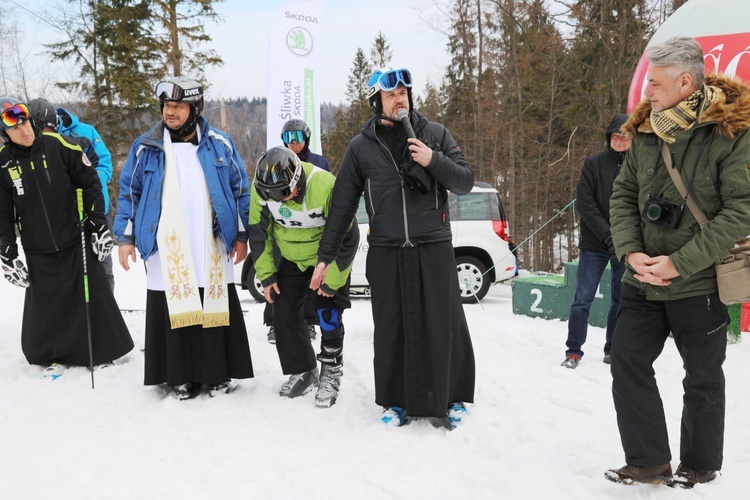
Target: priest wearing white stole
(183, 204)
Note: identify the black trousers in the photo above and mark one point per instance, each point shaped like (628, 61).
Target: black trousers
(293, 345)
(699, 326)
(311, 317)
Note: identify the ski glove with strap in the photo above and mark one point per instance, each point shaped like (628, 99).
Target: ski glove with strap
(14, 270)
(101, 240)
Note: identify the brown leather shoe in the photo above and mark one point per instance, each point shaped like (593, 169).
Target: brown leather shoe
(688, 477)
(633, 474)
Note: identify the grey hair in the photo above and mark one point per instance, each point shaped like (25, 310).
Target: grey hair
(684, 54)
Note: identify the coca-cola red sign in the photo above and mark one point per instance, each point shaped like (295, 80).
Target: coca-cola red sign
(728, 54)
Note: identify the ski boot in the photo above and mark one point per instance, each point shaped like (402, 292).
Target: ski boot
(299, 384)
(331, 370)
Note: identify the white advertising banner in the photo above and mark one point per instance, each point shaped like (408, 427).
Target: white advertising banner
(294, 44)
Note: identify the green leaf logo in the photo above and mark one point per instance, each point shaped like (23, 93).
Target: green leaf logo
(299, 41)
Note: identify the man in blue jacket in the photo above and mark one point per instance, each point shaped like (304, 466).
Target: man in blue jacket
(183, 203)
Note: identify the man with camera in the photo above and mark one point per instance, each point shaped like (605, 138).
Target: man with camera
(404, 164)
(670, 284)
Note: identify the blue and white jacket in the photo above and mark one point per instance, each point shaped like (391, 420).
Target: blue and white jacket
(141, 179)
(72, 126)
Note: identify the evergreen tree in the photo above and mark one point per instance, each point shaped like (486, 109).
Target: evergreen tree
(380, 52)
(183, 22)
(117, 59)
(121, 54)
(524, 58)
(431, 104)
(349, 122)
(460, 83)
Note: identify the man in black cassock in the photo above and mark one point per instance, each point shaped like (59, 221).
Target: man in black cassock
(424, 360)
(39, 176)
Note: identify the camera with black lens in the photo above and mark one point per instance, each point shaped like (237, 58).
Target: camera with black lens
(663, 212)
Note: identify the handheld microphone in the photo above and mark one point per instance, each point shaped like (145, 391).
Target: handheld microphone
(414, 176)
(403, 116)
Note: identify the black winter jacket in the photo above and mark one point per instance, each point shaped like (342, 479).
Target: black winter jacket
(398, 216)
(594, 190)
(39, 183)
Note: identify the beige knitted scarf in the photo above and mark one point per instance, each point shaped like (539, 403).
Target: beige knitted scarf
(685, 114)
(178, 270)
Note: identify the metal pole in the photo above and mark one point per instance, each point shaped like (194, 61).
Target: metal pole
(79, 197)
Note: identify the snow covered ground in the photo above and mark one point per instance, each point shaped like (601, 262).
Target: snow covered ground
(537, 430)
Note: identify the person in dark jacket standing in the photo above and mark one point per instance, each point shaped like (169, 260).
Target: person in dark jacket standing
(424, 359)
(296, 136)
(39, 176)
(592, 202)
(700, 123)
(86, 136)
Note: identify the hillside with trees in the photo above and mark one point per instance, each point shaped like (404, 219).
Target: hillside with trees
(529, 90)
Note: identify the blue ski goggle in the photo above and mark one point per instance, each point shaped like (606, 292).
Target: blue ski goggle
(390, 79)
(291, 136)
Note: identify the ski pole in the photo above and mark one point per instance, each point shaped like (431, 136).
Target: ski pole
(79, 197)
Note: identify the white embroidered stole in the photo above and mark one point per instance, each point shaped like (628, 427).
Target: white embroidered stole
(177, 265)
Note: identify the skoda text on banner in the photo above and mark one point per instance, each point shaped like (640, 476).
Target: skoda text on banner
(294, 45)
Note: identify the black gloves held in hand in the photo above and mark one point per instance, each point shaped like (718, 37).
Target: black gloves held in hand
(101, 240)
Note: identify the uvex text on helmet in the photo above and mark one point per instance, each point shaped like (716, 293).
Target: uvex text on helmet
(181, 89)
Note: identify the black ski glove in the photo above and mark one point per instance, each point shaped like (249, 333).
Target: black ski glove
(14, 270)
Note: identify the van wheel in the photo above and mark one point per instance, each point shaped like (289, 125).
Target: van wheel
(472, 280)
(254, 286)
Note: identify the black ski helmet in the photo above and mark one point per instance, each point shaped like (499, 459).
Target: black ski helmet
(387, 78)
(277, 173)
(182, 89)
(43, 114)
(293, 125)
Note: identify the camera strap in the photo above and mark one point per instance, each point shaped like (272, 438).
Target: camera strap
(677, 180)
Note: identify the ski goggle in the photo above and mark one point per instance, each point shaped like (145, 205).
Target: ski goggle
(390, 79)
(169, 91)
(279, 193)
(14, 116)
(291, 136)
